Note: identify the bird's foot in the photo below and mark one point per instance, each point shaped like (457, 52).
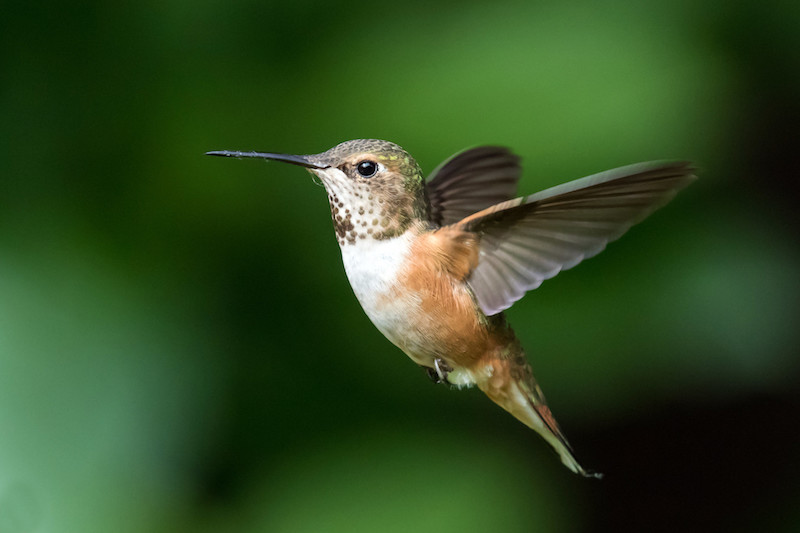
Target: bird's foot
(431, 373)
(439, 372)
(442, 369)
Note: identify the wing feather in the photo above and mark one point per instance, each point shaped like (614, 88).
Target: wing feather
(527, 240)
(470, 181)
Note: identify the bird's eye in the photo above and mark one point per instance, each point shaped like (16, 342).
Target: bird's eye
(367, 169)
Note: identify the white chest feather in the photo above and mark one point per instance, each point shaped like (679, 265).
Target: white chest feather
(373, 266)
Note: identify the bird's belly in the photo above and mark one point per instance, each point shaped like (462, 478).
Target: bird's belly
(425, 323)
(373, 269)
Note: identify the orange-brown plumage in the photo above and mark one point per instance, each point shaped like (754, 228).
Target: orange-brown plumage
(439, 263)
(462, 336)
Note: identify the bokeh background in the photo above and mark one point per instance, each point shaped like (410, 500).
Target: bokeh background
(180, 349)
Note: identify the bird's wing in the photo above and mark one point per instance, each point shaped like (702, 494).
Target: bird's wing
(470, 181)
(527, 240)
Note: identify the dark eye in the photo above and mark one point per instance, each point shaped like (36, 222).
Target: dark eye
(367, 169)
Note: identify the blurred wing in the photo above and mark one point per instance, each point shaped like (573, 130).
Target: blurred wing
(470, 181)
(530, 239)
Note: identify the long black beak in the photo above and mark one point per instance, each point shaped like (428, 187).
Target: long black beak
(286, 158)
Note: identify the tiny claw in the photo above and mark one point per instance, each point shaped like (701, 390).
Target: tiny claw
(432, 375)
(439, 372)
(442, 369)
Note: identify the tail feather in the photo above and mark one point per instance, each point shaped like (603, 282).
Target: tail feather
(517, 392)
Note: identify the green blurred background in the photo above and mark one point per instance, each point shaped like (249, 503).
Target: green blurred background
(180, 349)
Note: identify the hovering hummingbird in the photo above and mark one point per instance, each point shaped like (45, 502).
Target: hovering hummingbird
(435, 263)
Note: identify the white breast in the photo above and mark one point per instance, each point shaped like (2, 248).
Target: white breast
(372, 266)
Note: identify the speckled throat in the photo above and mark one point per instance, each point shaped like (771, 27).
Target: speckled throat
(378, 207)
(375, 211)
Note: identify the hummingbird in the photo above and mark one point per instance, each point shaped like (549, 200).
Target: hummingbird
(434, 263)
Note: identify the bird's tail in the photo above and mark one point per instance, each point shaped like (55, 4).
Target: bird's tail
(512, 387)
